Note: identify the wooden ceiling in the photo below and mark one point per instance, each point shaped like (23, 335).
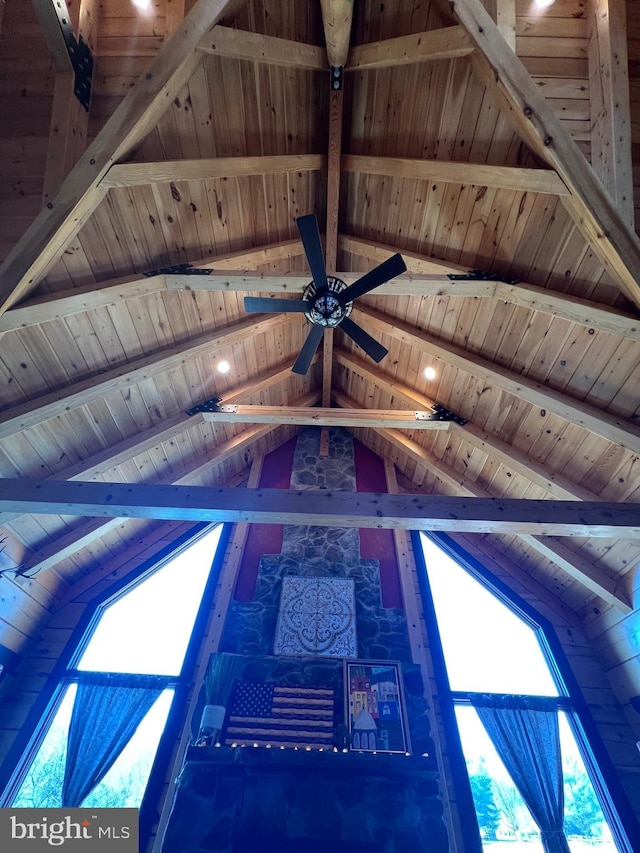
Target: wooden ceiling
(442, 145)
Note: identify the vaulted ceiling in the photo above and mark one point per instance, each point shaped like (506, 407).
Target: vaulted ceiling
(439, 143)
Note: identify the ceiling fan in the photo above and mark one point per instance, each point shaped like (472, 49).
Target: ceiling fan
(327, 301)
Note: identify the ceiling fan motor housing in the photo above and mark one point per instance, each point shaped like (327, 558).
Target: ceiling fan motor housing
(327, 310)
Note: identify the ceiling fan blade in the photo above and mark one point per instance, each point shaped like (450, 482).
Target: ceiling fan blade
(263, 305)
(387, 270)
(310, 236)
(308, 350)
(364, 340)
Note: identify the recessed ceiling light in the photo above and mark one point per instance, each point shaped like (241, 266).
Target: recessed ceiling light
(430, 372)
(224, 367)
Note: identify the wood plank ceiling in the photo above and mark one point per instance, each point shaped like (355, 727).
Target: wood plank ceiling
(434, 158)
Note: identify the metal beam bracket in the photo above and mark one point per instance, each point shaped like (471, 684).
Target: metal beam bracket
(440, 413)
(481, 275)
(210, 405)
(336, 78)
(79, 54)
(178, 269)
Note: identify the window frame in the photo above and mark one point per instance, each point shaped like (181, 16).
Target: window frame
(20, 756)
(611, 796)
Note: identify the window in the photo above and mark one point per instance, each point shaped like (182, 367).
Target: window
(138, 636)
(488, 646)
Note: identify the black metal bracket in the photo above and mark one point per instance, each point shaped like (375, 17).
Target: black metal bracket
(336, 78)
(178, 269)
(210, 405)
(440, 413)
(481, 275)
(79, 54)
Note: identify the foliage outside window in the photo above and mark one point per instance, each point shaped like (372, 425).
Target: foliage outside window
(144, 630)
(489, 648)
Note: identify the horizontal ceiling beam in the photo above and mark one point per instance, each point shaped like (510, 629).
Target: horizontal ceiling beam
(600, 423)
(88, 297)
(167, 171)
(445, 43)
(564, 305)
(477, 174)
(81, 393)
(323, 508)
(240, 44)
(579, 569)
(318, 416)
(556, 484)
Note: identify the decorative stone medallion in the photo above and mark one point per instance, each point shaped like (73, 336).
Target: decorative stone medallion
(317, 616)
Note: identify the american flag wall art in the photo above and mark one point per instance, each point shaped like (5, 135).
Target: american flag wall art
(269, 713)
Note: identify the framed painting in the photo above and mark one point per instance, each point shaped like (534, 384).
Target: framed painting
(375, 707)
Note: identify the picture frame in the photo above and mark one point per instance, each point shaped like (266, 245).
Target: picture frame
(375, 707)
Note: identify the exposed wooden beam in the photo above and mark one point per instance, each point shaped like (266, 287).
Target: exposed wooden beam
(515, 460)
(336, 105)
(80, 537)
(589, 204)
(81, 393)
(503, 13)
(54, 228)
(137, 174)
(105, 460)
(240, 44)
(53, 35)
(560, 554)
(69, 125)
(567, 306)
(581, 414)
(480, 175)
(337, 17)
(446, 43)
(323, 416)
(609, 101)
(325, 508)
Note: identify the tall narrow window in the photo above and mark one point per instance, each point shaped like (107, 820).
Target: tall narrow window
(141, 632)
(490, 649)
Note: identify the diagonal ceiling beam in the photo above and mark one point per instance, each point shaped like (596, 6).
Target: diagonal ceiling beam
(113, 291)
(55, 226)
(256, 47)
(81, 393)
(557, 552)
(479, 174)
(139, 174)
(600, 423)
(80, 537)
(567, 306)
(327, 508)
(551, 481)
(445, 43)
(589, 204)
(98, 464)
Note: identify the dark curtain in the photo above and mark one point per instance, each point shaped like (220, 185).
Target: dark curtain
(108, 708)
(525, 733)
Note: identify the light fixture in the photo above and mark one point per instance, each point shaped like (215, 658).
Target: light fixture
(224, 367)
(544, 4)
(142, 4)
(430, 372)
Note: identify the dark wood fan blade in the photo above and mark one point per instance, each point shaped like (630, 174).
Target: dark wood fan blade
(308, 350)
(387, 270)
(370, 345)
(310, 236)
(262, 305)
